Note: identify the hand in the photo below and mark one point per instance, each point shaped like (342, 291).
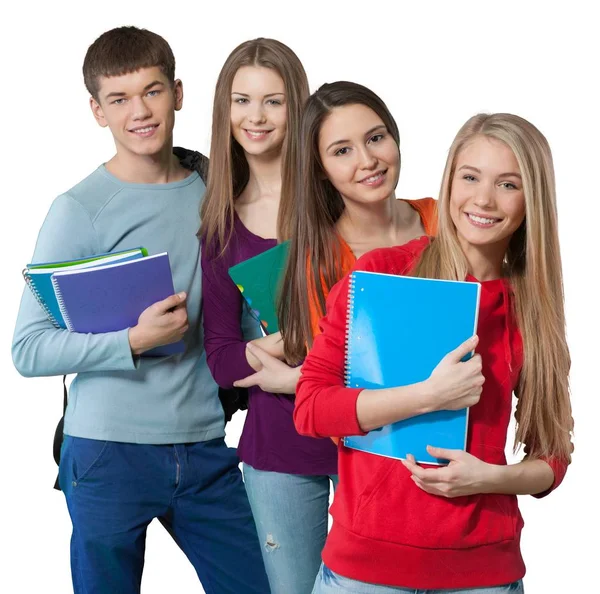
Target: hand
(465, 475)
(274, 375)
(164, 322)
(271, 344)
(456, 384)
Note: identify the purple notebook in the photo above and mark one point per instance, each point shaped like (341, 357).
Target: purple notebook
(112, 297)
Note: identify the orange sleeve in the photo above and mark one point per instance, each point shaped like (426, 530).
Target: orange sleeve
(428, 211)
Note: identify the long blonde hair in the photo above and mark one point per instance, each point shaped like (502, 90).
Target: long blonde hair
(228, 171)
(533, 266)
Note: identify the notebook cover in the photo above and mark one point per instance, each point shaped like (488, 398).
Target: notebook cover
(39, 278)
(259, 279)
(399, 329)
(111, 298)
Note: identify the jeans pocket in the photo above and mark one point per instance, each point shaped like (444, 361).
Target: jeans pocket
(85, 457)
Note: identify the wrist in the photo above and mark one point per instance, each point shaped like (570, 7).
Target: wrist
(493, 478)
(135, 344)
(426, 395)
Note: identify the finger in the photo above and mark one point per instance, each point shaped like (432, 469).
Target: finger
(170, 302)
(421, 473)
(428, 488)
(444, 453)
(459, 353)
(248, 382)
(260, 354)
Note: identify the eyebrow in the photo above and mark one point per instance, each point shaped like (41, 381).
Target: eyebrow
(373, 129)
(245, 95)
(507, 174)
(146, 88)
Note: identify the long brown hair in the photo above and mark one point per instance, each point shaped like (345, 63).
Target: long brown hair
(228, 171)
(318, 206)
(533, 266)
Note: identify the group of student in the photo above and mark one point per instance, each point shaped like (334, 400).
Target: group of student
(144, 437)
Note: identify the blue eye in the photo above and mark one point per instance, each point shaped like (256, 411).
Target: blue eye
(508, 186)
(153, 93)
(469, 177)
(119, 101)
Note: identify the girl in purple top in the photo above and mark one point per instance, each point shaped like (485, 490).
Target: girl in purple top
(246, 210)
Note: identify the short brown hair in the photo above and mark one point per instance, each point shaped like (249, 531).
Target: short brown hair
(124, 50)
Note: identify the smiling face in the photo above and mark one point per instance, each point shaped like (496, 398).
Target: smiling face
(487, 202)
(139, 108)
(258, 110)
(359, 155)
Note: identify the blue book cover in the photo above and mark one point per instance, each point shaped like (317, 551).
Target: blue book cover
(39, 278)
(112, 297)
(399, 329)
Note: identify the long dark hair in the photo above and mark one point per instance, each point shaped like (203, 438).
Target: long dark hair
(314, 251)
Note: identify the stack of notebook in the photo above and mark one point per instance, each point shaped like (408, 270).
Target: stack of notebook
(103, 293)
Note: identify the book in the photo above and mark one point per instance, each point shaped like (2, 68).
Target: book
(259, 280)
(38, 277)
(399, 329)
(111, 297)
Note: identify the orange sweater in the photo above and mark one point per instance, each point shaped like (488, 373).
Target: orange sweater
(427, 209)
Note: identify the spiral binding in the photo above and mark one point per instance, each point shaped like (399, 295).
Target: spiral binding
(39, 299)
(61, 305)
(349, 318)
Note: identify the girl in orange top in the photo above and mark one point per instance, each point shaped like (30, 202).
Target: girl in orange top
(349, 165)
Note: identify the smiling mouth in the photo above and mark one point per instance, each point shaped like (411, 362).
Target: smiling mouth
(257, 134)
(144, 131)
(481, 221)
(374, 179)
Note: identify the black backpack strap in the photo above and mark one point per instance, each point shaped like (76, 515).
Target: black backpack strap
(58, 433)
(192, 160)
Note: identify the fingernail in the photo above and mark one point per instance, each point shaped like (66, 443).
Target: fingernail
(181, 295)
(250, 346)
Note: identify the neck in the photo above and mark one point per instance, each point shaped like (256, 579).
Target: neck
(265, 176)
(485, 261)
(160, 168)
(365, 220)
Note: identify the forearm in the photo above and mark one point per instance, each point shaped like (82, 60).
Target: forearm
(376, 408)
(528, 477)
(272, 344)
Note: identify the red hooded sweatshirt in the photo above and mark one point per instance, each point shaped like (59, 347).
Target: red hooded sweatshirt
(386, 530)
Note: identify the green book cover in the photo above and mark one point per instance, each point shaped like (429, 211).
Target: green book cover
(259, 279)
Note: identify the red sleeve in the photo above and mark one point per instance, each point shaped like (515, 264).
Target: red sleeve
(559, 468)
(324, 406)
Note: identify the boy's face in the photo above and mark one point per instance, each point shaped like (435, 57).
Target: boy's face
(139, 108)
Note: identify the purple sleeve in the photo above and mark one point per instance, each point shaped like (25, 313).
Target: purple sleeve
(222, 309)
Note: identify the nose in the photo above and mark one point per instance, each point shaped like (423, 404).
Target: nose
(367, 160)
(256, 115)
(140, 110)
(484, 196)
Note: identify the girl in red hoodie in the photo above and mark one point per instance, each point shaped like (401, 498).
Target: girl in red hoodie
(398, 525)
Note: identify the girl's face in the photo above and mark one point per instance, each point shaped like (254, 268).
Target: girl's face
(487, 204)
(360, 157)
(258, 110)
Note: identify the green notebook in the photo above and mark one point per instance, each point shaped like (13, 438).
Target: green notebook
(259, 279)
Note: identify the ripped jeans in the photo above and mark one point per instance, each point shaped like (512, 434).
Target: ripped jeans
(291, 515)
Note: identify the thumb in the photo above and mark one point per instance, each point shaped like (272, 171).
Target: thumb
(460, 352)
(170, 302)
(443, 453)
(248, 382)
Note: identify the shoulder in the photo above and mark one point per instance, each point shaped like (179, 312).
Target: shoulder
(399, 259)
(92, 193)
(428, 211)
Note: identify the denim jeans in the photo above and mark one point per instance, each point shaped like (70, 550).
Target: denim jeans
(329, 582)
(291, 513)
(114, 490)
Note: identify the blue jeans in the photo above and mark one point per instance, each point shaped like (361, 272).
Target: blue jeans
(114, 490)
(290, 511)
(329, 582)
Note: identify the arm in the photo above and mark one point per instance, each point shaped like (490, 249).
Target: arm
(40, 349)
(325, 408)
(222, 309)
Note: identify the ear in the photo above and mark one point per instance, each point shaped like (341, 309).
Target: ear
(178, 94)
(98, 113)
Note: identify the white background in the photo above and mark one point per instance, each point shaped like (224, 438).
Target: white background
(435, 64)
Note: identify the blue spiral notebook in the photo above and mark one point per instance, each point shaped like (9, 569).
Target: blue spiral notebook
(38, 277)
(112, 297)
(399, 329)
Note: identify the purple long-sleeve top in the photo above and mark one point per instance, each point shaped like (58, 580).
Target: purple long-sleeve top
(269, 440)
